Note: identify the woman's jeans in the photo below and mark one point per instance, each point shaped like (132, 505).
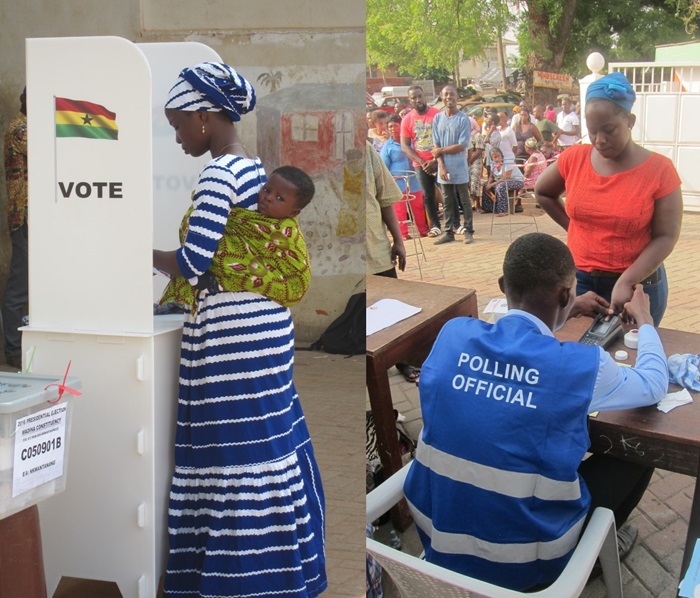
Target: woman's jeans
(603, 286)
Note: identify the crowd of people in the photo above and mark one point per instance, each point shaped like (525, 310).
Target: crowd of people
(452, 164)
(498, 441)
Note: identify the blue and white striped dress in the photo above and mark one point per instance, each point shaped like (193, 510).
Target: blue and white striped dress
(246, 514)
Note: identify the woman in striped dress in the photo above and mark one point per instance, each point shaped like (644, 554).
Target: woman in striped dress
(246, 515)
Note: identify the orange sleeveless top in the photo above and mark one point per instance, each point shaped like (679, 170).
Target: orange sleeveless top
(610, 216)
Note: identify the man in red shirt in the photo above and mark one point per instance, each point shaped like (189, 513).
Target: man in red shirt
(417, 144)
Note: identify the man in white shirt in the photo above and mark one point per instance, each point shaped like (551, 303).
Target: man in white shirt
(568, 124)
(508, 139)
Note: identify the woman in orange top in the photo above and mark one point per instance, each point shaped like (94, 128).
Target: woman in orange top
(623, 205)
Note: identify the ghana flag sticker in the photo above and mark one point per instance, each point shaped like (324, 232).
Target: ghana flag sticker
(78, 118)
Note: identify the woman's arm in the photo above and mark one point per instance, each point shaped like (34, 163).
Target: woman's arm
(529, 166)
(166, 261)
(473, 154)
(548, 190)
(536, 133)
(216, 193)
(665, 230)
(493, 181)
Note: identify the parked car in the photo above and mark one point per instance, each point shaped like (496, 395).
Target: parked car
(461, 102)
(509, 97)
(478, 110)
(395, 90)
(392, 104)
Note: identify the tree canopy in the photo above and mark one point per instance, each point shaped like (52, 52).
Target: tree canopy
(553, 35)
(558, 35)
(419, 35)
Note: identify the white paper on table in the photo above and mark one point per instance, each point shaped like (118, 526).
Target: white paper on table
(497, 305)
(386, 312)
(673, 400)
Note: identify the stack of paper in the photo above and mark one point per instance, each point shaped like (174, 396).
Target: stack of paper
(386, 312)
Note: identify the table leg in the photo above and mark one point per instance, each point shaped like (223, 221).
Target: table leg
(379, 391)
(693, 527)
(21, 557)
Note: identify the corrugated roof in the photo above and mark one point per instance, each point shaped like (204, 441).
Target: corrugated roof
(493, 76)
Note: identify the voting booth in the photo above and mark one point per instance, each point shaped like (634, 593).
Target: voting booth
(107, 185)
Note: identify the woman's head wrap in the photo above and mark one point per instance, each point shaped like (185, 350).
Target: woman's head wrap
(531, 142)
(615, 88)
(213, 87)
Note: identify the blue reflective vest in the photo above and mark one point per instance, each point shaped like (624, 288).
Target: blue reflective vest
(494, 488)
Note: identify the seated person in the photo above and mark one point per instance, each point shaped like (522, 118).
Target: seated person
(549, 152)
(498, 488)
(535, 163)
(532, 168)
(262, 252)
(504, 177)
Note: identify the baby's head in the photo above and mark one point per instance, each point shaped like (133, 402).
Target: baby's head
(287, 192)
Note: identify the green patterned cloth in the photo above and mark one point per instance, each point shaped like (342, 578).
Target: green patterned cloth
(256, 253)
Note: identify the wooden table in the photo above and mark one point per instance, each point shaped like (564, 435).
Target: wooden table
(408, 341)
(646, 435)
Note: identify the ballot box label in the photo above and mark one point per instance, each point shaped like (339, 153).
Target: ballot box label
(40, 441)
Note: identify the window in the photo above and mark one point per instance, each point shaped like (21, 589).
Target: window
(344, 134)
(304, 127)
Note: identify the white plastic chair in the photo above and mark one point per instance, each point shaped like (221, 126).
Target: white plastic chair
(419, 252)
(517, 222)
(417, 578)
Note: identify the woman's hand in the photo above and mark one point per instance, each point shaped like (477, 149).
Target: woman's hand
(621, 294)
(166, 261)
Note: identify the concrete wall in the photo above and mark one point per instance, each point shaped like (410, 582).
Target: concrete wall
(283, 48)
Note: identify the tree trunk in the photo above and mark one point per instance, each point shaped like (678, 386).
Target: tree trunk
(501, 58)
(550, 56)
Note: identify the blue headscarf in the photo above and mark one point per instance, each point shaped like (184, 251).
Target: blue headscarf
(615, 88)
(212, 86)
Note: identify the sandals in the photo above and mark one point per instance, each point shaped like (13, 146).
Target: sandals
(409, 373)
(434, 232)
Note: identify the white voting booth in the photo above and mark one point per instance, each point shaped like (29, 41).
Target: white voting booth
(97, 207)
